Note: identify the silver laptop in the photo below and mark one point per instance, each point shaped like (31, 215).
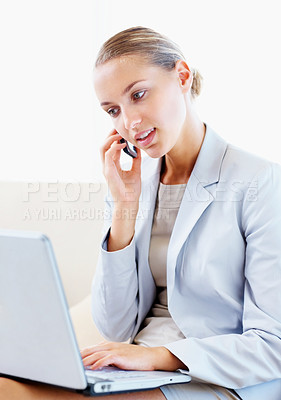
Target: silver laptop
(37, 340)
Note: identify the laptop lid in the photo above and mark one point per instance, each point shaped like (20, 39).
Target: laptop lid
(37, 340)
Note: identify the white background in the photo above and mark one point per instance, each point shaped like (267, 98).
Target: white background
(51, 126)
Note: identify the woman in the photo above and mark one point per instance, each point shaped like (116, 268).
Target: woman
(190, 266)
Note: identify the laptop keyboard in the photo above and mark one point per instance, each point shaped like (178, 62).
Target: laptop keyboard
(112, 373)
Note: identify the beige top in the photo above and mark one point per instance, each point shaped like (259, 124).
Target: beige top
(159, 328)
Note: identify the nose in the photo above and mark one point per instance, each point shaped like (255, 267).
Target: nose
(131, 119)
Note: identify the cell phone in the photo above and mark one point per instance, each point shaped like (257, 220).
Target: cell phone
(129, 149)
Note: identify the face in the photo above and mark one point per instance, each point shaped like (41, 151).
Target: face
(145, 102)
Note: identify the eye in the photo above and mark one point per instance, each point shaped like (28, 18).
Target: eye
(139, 95)
(113, 112)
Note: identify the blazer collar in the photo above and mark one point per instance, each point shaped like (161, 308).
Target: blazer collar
(208, 164)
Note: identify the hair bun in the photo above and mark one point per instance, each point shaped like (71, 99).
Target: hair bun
(196, 83)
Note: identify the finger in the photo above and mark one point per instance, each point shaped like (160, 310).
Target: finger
(104, 345)
(103, 362)
(112, 138)
(109, 140)
(94, 357)
(116, 149)
(136, 164)
(112, 158)
(94, 348)
(112, 132)
(87, 351)
(114, 153)
(108, 145)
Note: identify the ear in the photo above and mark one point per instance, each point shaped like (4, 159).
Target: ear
(184, 75)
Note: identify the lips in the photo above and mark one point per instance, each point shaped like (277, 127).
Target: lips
(145, 137)
(143, 134)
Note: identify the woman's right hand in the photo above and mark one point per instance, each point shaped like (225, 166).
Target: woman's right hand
(125, 186)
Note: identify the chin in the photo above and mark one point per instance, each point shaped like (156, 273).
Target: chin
(155, 152)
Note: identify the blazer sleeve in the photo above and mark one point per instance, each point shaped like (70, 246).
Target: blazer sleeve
(254, 356)
(115, 287)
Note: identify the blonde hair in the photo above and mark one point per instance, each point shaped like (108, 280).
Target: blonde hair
(155, 48)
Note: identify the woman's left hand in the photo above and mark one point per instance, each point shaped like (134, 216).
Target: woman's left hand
(130, 357)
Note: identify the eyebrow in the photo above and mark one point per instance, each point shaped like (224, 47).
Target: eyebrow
(126, 90)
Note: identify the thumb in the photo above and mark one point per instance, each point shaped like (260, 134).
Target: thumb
(136, 164)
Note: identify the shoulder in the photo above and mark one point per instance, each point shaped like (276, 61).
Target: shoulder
(244, 165)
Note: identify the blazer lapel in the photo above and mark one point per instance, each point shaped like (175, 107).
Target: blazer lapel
(196, 198)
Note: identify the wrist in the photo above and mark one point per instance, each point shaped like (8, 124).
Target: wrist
(122, 228)
(125, 211)
(167, 361)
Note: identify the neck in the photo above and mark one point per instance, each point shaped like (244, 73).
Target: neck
(179, 162)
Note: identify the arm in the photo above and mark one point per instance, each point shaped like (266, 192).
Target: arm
(115, 286)
(115, 289)
(239, 360)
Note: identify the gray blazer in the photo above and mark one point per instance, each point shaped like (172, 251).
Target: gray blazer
(223, 271)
